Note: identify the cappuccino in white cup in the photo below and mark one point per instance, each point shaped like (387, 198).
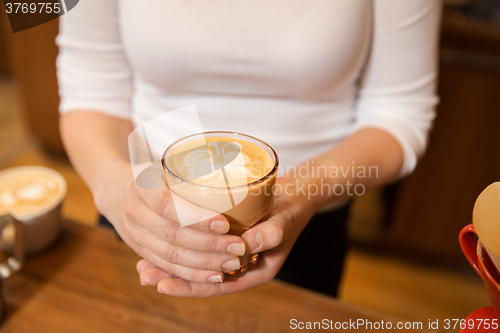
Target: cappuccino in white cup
(32, 195)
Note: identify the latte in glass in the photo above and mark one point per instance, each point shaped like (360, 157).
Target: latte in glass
(228, 173)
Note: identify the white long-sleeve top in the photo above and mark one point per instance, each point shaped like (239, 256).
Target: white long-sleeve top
(298, 74)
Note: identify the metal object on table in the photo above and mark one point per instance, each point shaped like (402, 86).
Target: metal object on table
(11, 230)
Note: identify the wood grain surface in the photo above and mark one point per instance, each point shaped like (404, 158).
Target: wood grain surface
(87, 282)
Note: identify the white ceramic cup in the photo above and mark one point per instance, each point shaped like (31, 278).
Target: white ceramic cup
(32, 195)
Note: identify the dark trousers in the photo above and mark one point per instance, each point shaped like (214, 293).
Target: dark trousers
(317, 258)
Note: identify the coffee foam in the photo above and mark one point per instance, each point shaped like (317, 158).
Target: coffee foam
(208, 161)
(26, 192)
(244, 205)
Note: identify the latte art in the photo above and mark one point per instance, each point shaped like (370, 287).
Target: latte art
(219, 161)
(227, 173)
(24, 191)
(241, 168)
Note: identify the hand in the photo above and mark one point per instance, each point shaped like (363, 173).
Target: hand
(147, 221)
(273, 239)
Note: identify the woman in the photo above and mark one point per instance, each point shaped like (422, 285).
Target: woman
(344, 83)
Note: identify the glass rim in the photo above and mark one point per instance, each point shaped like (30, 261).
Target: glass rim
(255, 182)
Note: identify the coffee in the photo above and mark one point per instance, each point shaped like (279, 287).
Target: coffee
(25, 194)
(242, 161)
(225, 172)
(33, 196)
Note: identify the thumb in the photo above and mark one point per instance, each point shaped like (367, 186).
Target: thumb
(266, 235)
(170, 206)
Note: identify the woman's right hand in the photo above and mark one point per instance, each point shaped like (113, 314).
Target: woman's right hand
(147, 221)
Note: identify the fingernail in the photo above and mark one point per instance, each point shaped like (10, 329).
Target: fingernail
(238, 249)
(142, 284)
(215, 278)
(219, 226)
(231, 265)
(254, 242)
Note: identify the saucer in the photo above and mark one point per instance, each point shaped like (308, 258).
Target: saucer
(476, 316)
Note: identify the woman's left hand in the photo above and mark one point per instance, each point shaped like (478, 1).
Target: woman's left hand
(272, 239)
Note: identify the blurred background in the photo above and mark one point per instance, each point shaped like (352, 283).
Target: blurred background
(405, 259)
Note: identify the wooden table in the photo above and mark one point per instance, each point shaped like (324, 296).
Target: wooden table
(87, 282)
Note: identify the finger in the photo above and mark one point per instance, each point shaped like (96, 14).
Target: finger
(181, 288)
(170, 206)
(217, 225)
(188, 238)
(142, 265)
(201, 241)
(266, 235)
(153, 275)
(185, 273)
(135, 209)
(185, 257)
(175, 286)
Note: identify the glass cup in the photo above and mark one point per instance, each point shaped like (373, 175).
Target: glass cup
(244, 202)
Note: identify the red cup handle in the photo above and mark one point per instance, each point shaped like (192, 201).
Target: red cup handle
(469, 246)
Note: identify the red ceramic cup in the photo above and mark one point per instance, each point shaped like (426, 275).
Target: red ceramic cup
(479, 259)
